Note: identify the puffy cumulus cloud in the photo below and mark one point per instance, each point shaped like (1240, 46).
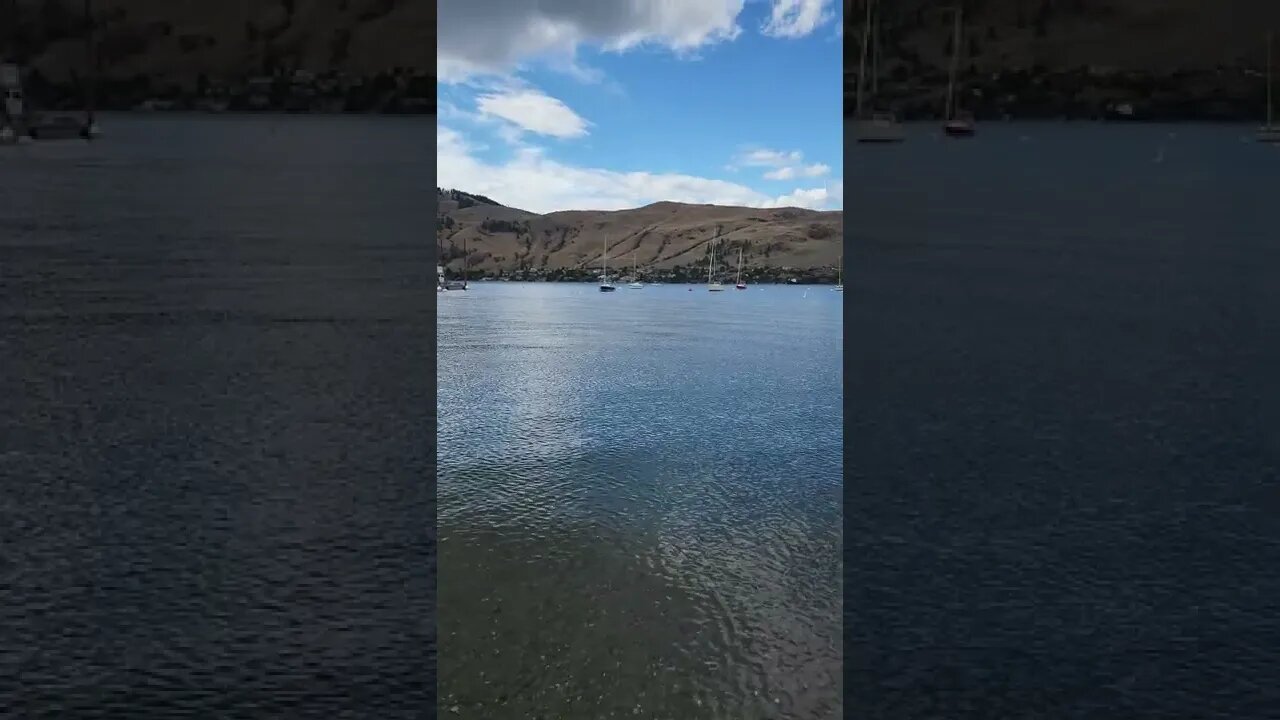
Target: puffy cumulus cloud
(828, 197)
(479, 37)
(797, 18)
(532, 111)
(784, 165)
(531, 180)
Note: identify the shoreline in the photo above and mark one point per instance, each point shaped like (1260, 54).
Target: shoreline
(807, 280)
(190, 113)
(1042, 120)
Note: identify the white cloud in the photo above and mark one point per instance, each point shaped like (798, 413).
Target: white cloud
(796, 18)
(769, 158)
(532, 181)
(786, 165)
(829, 196)
(532, 111)
(479, 37)
(790, 172)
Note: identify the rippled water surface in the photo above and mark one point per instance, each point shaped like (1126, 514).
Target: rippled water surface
(215, 421)
(639, 502)
(1062, 440)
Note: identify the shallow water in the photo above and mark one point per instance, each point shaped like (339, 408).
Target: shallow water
(639, 502)
(1063, 431)
(215, 444)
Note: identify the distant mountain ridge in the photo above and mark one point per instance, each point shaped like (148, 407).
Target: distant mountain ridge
(665, 239)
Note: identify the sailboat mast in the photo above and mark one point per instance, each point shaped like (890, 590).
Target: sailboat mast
(1270, 42)
(739, 280)
(955, 62)
(92, 57)
(862, 61)
(875, 55)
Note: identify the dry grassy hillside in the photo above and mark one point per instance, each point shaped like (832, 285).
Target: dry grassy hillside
(173, 41)
(1183, 58)
(666, 238)
(1157, 36)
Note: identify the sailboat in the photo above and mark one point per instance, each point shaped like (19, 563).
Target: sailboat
(957, 123)
(1269, 133)
(635, 272)
(460, 284)
(605, 285)
(91, 130)
(840, 276)
(873, 126)
(441, 282)
(740, 285)
(712, 286)
(66, 126)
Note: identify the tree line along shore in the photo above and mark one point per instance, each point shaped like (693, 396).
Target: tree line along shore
(399, 91)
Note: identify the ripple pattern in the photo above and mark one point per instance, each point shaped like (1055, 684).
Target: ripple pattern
(1063, 445)
(639, 502)
(216, 451)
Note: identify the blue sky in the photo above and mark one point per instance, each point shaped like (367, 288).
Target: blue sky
(619, 103)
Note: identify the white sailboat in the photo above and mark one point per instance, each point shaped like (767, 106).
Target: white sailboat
(956, 122)
(739, 284)
(873, 126)
(1269, 133)
(605, 285)
(460, 284)
(712, 286)
(635, 272)
(840, 276)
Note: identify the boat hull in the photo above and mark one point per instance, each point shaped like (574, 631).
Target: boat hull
(607, 288)
(959, 129)
(1269, 134)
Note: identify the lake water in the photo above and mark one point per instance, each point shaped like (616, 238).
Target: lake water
(1062, 440)
(216, 447)
(639, 502)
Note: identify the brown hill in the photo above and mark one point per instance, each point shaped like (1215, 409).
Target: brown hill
(667, 239)
(1186, 58)
(174, 41)
(1156, 36)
